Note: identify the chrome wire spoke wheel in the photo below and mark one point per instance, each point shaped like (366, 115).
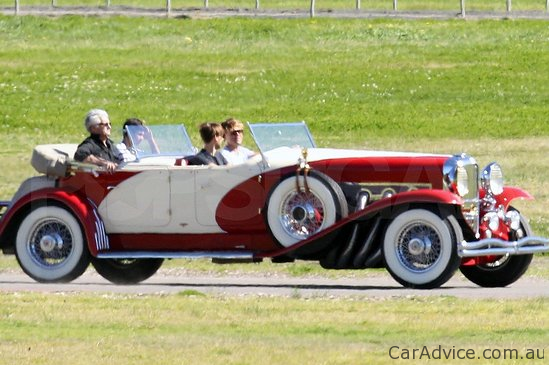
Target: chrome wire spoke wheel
(294, 214)
(51, 243)
(497, 263)
(418, 246)
(301, 214)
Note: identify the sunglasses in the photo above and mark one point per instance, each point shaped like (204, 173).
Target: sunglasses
(236, 132)
(104, 124)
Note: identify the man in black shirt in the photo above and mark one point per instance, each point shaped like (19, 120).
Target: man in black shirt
(98, 148)
(212, 135)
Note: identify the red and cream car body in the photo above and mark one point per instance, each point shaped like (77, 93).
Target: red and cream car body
(421, 216)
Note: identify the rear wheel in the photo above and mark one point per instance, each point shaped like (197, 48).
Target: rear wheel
(294, 215)
(420, 249)
(50, 245)
(506, 269)
(126, 271)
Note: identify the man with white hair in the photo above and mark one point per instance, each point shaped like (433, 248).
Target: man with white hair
(98, 148)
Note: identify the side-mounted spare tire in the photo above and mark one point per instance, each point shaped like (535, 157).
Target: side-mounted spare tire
(50, 246)
(294, 215)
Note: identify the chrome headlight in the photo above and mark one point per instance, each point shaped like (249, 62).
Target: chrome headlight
(492, 179)
(460, 176)
(462, 181)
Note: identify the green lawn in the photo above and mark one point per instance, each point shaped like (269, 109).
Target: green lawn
(433, 86)
(190, 328)
(436, 86)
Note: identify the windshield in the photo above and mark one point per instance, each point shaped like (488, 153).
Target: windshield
(269, 136)
(163, 140)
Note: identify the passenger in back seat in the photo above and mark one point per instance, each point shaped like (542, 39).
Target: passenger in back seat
(212, 136)
(234, 152)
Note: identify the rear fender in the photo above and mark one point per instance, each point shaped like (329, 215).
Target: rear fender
(83, 209)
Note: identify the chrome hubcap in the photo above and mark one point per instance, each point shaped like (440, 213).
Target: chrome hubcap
(50, 242)
(418, 246)
(301, 214)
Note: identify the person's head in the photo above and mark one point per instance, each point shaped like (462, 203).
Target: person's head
(97, 122)
(234, 132)
(210, 132)
(140, 135)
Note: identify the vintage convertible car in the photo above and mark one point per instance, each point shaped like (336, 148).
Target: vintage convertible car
(421, 216)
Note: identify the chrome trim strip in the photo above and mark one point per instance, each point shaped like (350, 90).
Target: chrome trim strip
(495, 246)
(101, 237)
(176, 255)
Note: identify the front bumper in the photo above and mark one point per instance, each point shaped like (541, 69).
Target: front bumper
(497, 247)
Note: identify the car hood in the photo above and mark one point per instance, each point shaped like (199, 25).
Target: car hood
(287, 156)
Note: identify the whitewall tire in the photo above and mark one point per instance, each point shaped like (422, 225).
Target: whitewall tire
(420, 249)
(50, 245)
(293, 216)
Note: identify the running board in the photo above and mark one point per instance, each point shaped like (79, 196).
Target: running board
(220, 255)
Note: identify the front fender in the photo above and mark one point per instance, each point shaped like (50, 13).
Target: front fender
(442, 197)
(83, 209)
(511, 193)
(385, 207)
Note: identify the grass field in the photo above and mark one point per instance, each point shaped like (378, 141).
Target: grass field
(475, 86)
(436, 86)
(190, 328)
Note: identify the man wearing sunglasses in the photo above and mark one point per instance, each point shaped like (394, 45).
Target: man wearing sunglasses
(233, 151)
(98, 148)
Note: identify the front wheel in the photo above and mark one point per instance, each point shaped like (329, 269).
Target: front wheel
(420, 249)
(50, 246)
(126, 271)
(506, 269)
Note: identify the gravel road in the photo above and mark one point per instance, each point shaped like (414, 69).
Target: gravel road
(379, 285)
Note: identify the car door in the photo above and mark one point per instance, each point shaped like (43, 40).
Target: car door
(139, 204)
(212, 183)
